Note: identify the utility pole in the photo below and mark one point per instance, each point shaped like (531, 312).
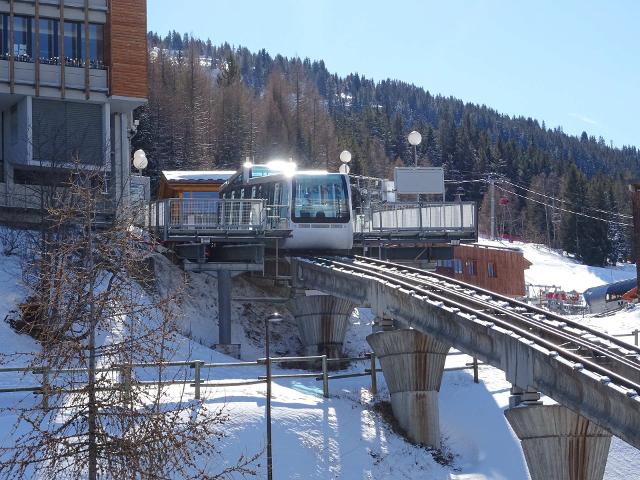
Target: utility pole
(274, 318)
(492, 190)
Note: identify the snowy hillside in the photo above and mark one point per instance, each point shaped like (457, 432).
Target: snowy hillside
(346, 436)
(550, 267)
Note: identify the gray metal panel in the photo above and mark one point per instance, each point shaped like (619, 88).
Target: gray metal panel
(25, 72)
(74, 77)
(63, 131)
(416, 180)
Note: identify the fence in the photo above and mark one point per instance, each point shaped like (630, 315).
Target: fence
(127, 382)
(188, 215)
(436, 217)
(635, 334)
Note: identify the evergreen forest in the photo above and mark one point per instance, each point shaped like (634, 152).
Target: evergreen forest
(211, 106)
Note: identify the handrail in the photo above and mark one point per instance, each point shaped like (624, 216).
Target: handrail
(125, 371)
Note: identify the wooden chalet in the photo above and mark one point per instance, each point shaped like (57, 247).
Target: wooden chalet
(500, 270)
(192, 184)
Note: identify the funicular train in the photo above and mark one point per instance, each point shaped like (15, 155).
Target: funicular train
(315, 205)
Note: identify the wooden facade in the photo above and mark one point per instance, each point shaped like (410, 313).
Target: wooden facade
(179, 184)
(126, 48)
(500, 270)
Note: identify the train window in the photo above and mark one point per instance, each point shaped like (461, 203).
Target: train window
(320, 199)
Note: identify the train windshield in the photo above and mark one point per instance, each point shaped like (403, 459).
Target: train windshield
(320, 199)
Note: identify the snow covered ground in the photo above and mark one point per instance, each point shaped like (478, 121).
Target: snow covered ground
(551, 267)
(346, 437)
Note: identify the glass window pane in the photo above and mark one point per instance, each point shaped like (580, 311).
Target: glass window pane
(96, 45)
(73, 44)
(320, 199)
(49, 41)
(4, 36)
(23, 38)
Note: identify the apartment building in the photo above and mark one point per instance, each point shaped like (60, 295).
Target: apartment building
(71, 74)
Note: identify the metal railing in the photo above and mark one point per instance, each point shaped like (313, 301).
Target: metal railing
(126, 375)
(34, 197)
(179, 215)
(635, 334)
(208, 214)
(434, 217)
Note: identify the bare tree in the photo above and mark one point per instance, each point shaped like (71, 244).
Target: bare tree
(95, 324)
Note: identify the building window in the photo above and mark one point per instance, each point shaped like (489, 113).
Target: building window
(23, 38)
(457, 265)
(201, 195)
(96, 45)
(49, 41)
(472, 267)
(491, 270)
(73, 44)
(4, 36)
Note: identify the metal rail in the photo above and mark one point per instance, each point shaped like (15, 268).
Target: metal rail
(516, 304)
(541, 324)
(480, 308)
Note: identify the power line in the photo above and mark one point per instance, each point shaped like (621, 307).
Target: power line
(613, 222)
(607, 212)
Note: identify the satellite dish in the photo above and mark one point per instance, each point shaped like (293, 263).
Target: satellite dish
(344, 168)
(345, 156)
(415, 138)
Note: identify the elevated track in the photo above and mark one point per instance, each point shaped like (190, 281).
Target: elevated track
(590, 372)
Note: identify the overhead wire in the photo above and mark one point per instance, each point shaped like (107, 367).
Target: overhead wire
(607, 212)
(613, 222)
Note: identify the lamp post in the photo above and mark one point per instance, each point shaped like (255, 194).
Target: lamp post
(274, 318)
(345, 158)
(140, 160)
(415, 139)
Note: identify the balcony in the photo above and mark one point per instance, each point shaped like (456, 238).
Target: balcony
(93, 4)
(50, 76)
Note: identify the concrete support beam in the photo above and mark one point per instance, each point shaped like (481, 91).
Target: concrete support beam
(559, 443)
(224, 307)
(322, 322)
(383, 324)
(413, 364)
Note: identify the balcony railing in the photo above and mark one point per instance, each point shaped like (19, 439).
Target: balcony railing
(93, 4)
(180, 215)
(35, 197)
(459, 217)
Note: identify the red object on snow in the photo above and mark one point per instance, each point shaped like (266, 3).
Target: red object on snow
(504, 201)
(631, 295)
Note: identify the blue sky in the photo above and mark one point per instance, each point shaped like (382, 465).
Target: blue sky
(573, 63)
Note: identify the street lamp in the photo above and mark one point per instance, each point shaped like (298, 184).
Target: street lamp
(140, 160)
(345, 158)
(415, 139)
(274, 318)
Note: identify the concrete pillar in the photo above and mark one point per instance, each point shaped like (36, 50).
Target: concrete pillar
(322, 322)
(413, 364)
(224, 307)
(559, 443)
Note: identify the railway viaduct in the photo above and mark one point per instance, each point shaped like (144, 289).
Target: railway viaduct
(593, 377)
